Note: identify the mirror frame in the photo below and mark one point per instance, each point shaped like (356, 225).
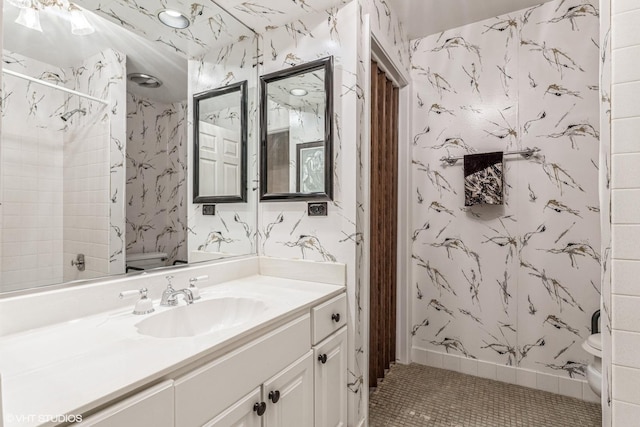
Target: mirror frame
(235, 87)
(327, 65)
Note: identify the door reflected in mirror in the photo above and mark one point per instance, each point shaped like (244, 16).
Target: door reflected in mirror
(220, 138)
(296, 112)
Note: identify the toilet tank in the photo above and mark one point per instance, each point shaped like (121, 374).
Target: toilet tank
(147, 260)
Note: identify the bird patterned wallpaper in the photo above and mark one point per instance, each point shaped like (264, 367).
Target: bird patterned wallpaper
(156, 192)
(232, 230)
(605, 207)
(284, 229)
(516, 284)
(265, 16)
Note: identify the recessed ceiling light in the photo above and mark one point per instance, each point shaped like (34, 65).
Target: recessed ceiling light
(173, 18)
(298, 92)
(145, 80)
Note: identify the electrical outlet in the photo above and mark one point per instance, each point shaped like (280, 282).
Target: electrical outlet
(317, 209)
(208, 209)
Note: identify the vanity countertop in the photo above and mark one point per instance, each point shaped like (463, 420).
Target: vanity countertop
(75, 366)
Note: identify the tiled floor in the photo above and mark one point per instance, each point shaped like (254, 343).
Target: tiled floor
(416, 395)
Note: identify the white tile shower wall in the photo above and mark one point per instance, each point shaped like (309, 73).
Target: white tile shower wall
(32, 174)
(513, 285)
(86, 196)
(625, 197)
(94, 202)
(233, 229)
(156, 191)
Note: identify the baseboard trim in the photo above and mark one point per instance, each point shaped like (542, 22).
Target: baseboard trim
(570, 387)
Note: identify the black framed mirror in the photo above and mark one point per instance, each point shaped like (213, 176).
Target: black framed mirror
(296, 145)
(220, 145)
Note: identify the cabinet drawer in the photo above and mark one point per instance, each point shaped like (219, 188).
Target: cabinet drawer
(150, 408)
(328, 318)
(204, 393)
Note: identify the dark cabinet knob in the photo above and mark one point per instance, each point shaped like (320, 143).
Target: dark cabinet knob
(322, 358)
(335, 317)
(274, 396)
(260, 408)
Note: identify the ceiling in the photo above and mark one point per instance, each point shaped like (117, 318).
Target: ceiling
(133, 29)
(424, 17)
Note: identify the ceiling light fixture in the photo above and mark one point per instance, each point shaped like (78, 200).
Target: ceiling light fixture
(29, 17)
(20, 3)
(144, 80)
(298, 92)
(80, 26)
(30, 14)
(173, 18)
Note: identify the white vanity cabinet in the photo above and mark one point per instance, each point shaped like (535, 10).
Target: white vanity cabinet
(329, 337)
(151, 407)
(294, 375)
(289, 395)
(286, 400)
(205, 393)
(330, 381)
(241, 413)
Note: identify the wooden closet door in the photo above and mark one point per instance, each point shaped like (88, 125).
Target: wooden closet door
(383, 223)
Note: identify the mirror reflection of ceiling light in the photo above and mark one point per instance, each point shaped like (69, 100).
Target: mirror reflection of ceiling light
(174, 19)
(79, 24)
(30, 15)
(20, 3)
(145, 80)
(298, 92)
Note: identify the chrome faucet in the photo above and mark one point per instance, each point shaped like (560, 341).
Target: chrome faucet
(170, 295)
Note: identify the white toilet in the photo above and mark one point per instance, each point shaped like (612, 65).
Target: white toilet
(145, 261)
(593, 346)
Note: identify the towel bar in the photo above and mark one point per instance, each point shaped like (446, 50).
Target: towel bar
(526, 153)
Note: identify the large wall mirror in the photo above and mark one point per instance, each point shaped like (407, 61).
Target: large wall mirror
(95, 154)
(296, 112)
(220, 145)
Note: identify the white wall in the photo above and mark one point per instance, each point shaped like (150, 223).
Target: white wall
(625, 186)
(515, 285)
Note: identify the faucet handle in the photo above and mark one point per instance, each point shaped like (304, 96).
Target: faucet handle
(193, 288)
(144, 304)
(169, 286)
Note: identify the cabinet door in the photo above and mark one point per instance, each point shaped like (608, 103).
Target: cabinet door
(289, 395)
(241, 413)
(149, 408)
(330, 370)
(204, 393)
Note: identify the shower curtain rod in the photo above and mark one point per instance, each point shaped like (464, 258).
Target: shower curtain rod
(54, 86)
(526, 153)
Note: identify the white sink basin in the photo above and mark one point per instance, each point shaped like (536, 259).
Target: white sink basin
(202, 317)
